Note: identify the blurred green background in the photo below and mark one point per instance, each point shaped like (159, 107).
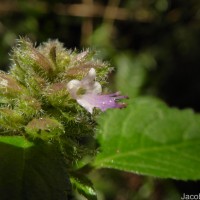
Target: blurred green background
(154, 45)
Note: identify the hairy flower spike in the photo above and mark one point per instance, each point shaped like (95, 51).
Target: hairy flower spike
(87, 93)
(41, 94)
(40, 98)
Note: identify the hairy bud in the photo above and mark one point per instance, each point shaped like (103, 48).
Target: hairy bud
(44, 128)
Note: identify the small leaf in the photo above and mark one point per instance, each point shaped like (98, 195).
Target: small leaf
(31, 171)
(150, 138)
(83, 186)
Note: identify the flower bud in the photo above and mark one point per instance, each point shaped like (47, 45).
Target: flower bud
(57, 54)
(30, 59)
(11, 119)
(44, 128)
(9, 87)
(35, 85)
(29, 106)
(57, 95)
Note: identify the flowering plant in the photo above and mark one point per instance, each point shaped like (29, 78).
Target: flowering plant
(54, 129)
(49, 96)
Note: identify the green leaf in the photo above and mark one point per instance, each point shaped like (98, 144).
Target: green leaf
(83, 186)
(152, 139)
(31, 171)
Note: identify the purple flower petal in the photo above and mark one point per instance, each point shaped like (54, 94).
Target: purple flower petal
(103, 102)
(92, 97)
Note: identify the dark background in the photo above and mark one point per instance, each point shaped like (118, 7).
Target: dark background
(168, 31)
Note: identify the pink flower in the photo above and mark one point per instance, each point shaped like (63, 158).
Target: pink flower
(87, 93)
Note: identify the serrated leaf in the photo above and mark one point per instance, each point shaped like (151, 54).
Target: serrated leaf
(31, 170)
(152, 139)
